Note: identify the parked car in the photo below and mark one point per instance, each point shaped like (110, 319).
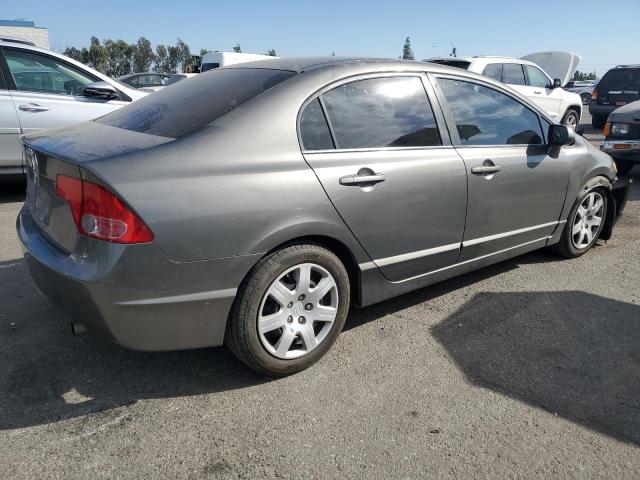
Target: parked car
(529, 79)
(177, 77)
(147, 80)
(213, 60)
(43, 89)
(303, 186)
(582, 88)
(618, 87)
(622, 136)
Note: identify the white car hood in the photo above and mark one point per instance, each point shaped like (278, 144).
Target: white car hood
(560, 65)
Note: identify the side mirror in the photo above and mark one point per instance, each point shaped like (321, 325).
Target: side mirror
(100, 90)
(557, 83)
(560, 135)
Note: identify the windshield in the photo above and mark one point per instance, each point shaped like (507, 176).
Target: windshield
(187, 107)
(623, 79)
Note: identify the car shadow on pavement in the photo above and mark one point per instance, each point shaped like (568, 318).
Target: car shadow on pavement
(570, 353)
(12, 189)
(47, 374)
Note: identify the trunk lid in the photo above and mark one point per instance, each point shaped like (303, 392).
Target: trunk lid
(67, 151)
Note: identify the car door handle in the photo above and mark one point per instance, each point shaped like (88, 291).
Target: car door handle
(485, 169)
(360, 179)
(538, 92)
(32, 107)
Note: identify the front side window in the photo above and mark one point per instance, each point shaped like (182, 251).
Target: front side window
(485, 116)
(381, 112)
(314, 130)
(33, 72)
(493, 70)
(190, 106)
(513, 74)
(536, 77)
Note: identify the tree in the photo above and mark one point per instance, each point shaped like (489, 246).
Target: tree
(204, 51)
(174, 59)
(119, 57)
(78, 55)
(407, 53)
(98, 55)
(142, 56)
(183, 54)
(271, 53)
(581, 76)
(161, 60)
(237, 48)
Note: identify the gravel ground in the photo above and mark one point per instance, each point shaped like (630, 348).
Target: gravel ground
(527, 369)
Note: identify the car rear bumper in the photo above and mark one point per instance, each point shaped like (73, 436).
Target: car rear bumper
(600, 110)
(133, 294)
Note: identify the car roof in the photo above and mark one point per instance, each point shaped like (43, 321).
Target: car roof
(305, 64)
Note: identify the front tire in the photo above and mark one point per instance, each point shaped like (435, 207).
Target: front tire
(584, 224)
(289, 310)
(571, 119)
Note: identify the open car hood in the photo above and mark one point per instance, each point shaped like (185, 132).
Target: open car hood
(560, 65)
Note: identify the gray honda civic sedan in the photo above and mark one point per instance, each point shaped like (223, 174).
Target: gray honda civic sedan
(253, 205)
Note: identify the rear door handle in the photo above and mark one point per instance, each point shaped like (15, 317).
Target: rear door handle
(360, 179)
(485, 169)
(538, 92)
(32, 107)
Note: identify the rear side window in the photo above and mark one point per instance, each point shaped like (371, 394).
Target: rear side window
(209, 66)
(485, 116)
(536, 77)
(314, 130)
(625, 80)
(512, 74)
(493, 70)
(381, 112)
(190, 106)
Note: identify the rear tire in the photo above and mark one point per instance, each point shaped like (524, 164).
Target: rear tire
(277, 326)
(586, 98)
(598, 121)
(583, 227)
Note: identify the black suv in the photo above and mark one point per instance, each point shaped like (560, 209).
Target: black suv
(619, 86)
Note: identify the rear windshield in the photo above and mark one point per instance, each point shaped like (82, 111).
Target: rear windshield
(621, 79)
(453, 63)
(187, 107)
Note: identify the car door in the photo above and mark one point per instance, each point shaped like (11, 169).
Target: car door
(540, 89)
(375, 144)
(516, 187)
(10, 150)
(47, 91)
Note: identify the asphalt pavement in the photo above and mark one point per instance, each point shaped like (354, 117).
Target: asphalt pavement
(526, 369)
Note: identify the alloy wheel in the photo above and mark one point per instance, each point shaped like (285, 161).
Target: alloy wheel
(571, 121)
(297, 311)
(587, 220)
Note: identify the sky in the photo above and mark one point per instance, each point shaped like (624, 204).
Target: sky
(353, 28)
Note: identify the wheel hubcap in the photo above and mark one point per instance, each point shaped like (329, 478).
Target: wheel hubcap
(587, 220)
(298, 311)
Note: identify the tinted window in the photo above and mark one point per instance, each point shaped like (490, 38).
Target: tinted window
(208, 66)
(620, 79)
(39, 73)
(314, 130)
(485, 116)
(189, 106)
(493, 70)
(174, 79)
(512, 74)
(536, 77)
(381, 112)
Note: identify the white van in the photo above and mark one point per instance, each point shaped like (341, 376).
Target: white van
(222, 59)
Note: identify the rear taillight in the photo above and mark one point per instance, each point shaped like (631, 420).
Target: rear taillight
(594, 94)
(98, 213)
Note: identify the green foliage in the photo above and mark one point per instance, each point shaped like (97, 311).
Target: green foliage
(237, 48)
(407, 53)
(142, 55)
(271, 53)
(582, 76)
(161, 60)
(119, 57)
(98, 55)
(183, 55)
(204, 51)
